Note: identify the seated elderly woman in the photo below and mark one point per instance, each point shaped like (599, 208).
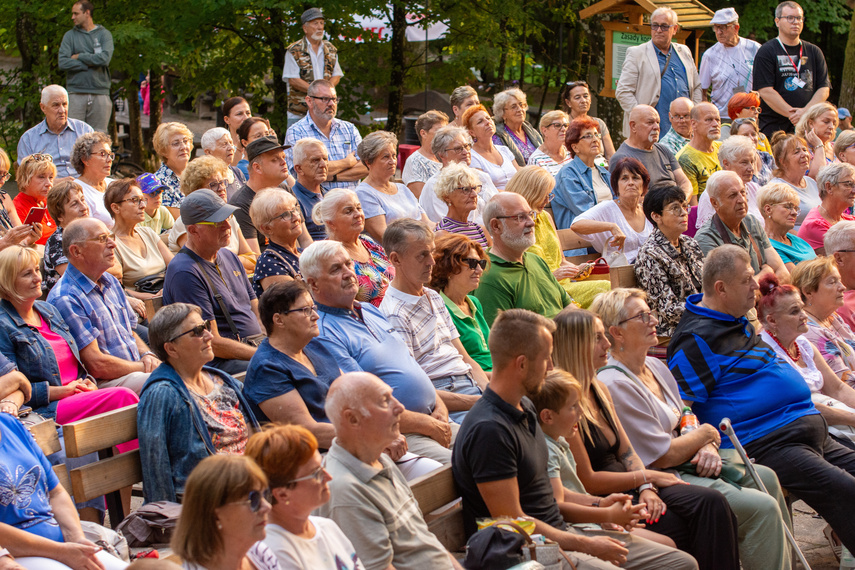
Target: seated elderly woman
(92, 157)
(423, 164)
(779, 204)
(738, 155)
(818, 281)
(140, 254)
(35, 179)
(781, 312)
(458, 186)
(670, 264)
(288, 455)
(38, 523)
(460, 262)
(341, 213)
(748, 128)
(793, 159)
(580, 184)
(276, 214)
(209, 172)
(552, 154)
(577, 103)
(844, 147)
(217, 142)
(535, 184)
(512, 129)
(224, 515)
(383, 199)
(619, 224)
(836, 184)
(173, 143)
(497, 160)
(65, 203)
(817, 126)
(731, 224)
(187, 410)
(647, 401)
(451, 145)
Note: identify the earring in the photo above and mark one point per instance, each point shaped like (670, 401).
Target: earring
(219, 525)
(287, 502)
(474, 139)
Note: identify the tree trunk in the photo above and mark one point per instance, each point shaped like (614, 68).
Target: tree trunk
(25, 32)
(847, 83)
(395, 117)
(138, 153)
(155, 90)
(279, 42)
(503, 55)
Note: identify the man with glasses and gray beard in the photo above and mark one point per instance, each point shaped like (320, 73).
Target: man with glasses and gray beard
(516, 279)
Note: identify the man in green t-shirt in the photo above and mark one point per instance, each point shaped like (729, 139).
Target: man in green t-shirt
(699, 158)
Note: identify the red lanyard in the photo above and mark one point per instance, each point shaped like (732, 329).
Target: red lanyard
(798, 67)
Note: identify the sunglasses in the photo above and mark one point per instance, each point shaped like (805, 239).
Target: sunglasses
(39, 157)
(196, 331)
(255, 497)
(473, 262)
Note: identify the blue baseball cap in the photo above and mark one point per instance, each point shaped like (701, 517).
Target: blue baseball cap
(149, 183)
(843, 113)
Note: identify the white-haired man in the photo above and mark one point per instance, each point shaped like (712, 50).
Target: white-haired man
(55, 135)
(680, 115)
(657, 72)
(311, 162)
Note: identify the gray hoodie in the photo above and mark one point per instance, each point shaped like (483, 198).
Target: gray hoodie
(90, 72)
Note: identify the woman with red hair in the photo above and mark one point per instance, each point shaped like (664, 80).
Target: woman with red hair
(747, 106)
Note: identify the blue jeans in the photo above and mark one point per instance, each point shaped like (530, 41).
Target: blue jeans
(460, 384)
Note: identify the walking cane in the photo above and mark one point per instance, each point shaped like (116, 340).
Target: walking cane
(724, 425)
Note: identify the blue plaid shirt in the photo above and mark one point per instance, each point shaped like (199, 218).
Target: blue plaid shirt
(343, 139)
(172, 195)
(40, 139)
(96, 311)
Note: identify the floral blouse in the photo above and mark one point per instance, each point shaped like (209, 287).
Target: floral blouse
(221, 411)
(172, 195)
(836, 344)
(375, 275)
(669, 276)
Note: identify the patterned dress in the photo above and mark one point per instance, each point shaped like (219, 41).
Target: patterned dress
(374, 275)
(836, 344)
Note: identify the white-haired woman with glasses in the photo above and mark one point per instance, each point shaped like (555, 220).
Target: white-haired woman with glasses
(173, 143)
(779, 204)
(509, 112)
(577, 103)
(92, 157)
(276, 214)
(836, 183)
(458, 186)
(217, 142)
(552, 154)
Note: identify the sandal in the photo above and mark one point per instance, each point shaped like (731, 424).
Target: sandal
(833, 541)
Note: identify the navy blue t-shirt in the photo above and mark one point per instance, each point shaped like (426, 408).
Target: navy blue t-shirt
(184, 283)
(272, 373)
(307, 200)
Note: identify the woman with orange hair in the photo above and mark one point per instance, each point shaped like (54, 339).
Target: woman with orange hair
(747, 105)
(497, 160)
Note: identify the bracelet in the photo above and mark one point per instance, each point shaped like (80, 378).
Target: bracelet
(146, 354)
(716, 445)
(14, 404)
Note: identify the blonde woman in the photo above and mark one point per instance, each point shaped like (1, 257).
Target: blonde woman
(173, 143)
(278, 217)
(779, 204)
(793, 159)
(458, 186)
(535, 184)
(818, 126)
(509, 112)
(552, 154)
(35, 177)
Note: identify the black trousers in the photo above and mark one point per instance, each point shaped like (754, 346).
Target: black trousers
(814, 468)
(700, 522)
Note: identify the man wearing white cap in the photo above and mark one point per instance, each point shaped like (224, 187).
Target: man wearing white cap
(726, 67)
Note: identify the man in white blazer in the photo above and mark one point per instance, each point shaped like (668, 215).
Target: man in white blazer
(652, 75)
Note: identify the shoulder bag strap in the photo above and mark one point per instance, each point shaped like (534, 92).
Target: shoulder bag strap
(217, 296)
(667, 61)
(722, 231)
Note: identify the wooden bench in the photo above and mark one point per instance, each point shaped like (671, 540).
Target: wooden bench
(153, 305)
(440, 504)
(47, 439)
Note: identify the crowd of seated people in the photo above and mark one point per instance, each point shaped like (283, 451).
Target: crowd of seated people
(327, 337)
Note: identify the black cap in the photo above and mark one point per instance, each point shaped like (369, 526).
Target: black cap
(262, 145)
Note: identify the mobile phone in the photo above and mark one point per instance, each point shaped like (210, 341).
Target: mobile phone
(35, 216)
(24, 411)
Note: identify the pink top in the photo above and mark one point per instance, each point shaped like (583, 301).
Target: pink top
(64, 357)
(814, 227)
(847, 311)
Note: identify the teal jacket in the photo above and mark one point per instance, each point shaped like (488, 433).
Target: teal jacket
(90, 72)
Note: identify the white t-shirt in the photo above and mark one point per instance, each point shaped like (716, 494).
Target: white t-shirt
(609, 211)
(179, 229)
(259, 554)
(329, 548)
(728, 70)
(601, 188)
(418, 168)
(500, 175)
(95, 201)
(436, 209)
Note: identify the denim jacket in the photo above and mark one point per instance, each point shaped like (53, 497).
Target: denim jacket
(32, 354)
(574, 192)
(172, 432)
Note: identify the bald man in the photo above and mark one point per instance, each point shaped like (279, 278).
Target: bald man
(680, 114)
(369, 498)
(699, 158)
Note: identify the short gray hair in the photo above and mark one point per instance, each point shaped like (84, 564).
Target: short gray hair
(401, 232)
(840, 236)
(327, 208)
(302, 147)
(51, 91)
(166, 325)
(447, 135)
(720, 265)
(672, 15)
(491, 211)
(454, 175)
(375, 143)
(267, 205)
(461, 94)
(314, 258)
(504, 98)
(832, 174)
(212, 137)
(345, 393)
(75, 232)
(315, 86)
(734, 147)
(779, 10)
(82, 149)
(717, 180)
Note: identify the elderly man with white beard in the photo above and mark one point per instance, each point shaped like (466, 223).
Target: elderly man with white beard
(516, 279)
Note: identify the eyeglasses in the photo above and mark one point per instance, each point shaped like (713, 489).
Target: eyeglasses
(790, 207)
(721, 27)
(288, 214)
(466, 190)
(196, 331)
(183, 142)
(136, 200)
(459, 149)
(677, 209)
(518, 106)
(793, 19)
(474, 262)
(105, 155)
(226, 146)
(217, 185)
(558, 125)
(521, 217)
(660, 27)
(645, 317)
(39, 157)
(255, 497)
(325, 100)
(317, 475)
(848, 184)
(675, 118)
(102, 239)
(4, 178)
(590, 136)
(307, 311)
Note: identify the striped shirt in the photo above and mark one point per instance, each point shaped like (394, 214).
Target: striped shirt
(426, 327)
(469, 229)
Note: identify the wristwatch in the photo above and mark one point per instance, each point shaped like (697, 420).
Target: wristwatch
(647, 486)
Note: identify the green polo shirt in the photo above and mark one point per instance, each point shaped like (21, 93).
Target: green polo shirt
(474, 331)
(527, 285)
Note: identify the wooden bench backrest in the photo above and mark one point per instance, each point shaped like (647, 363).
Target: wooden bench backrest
(440, 505)
(153, 305)
(48, 441)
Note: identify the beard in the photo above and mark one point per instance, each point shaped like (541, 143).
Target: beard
(522, 241)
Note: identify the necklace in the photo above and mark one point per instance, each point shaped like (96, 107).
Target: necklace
(828, 216)
(798, 354)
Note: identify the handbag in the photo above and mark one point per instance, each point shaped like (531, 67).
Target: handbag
(548, 553)
(597, 267)
(151, 283)
(150, 524)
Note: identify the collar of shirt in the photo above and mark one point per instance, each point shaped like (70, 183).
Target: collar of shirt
(405, 297)
(514, 414)
(43, 128)
(83, 282)
(361, 470)
(504, 262)
(356, 312)
(560, 442)
(453, 308)
(693, 306)
(314, 127)
(660, 53)
(305, 191)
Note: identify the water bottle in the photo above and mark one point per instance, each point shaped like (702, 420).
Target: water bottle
(847, 561)
(688, 421)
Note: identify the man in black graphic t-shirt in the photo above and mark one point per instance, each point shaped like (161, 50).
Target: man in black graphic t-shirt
(790, 74)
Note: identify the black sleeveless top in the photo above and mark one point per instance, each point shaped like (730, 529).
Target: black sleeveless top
(603, 457)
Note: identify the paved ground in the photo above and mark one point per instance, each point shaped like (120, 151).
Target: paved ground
(808, 533)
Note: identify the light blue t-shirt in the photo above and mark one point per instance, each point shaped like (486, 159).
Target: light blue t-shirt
(401, 205)
(799, 251)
